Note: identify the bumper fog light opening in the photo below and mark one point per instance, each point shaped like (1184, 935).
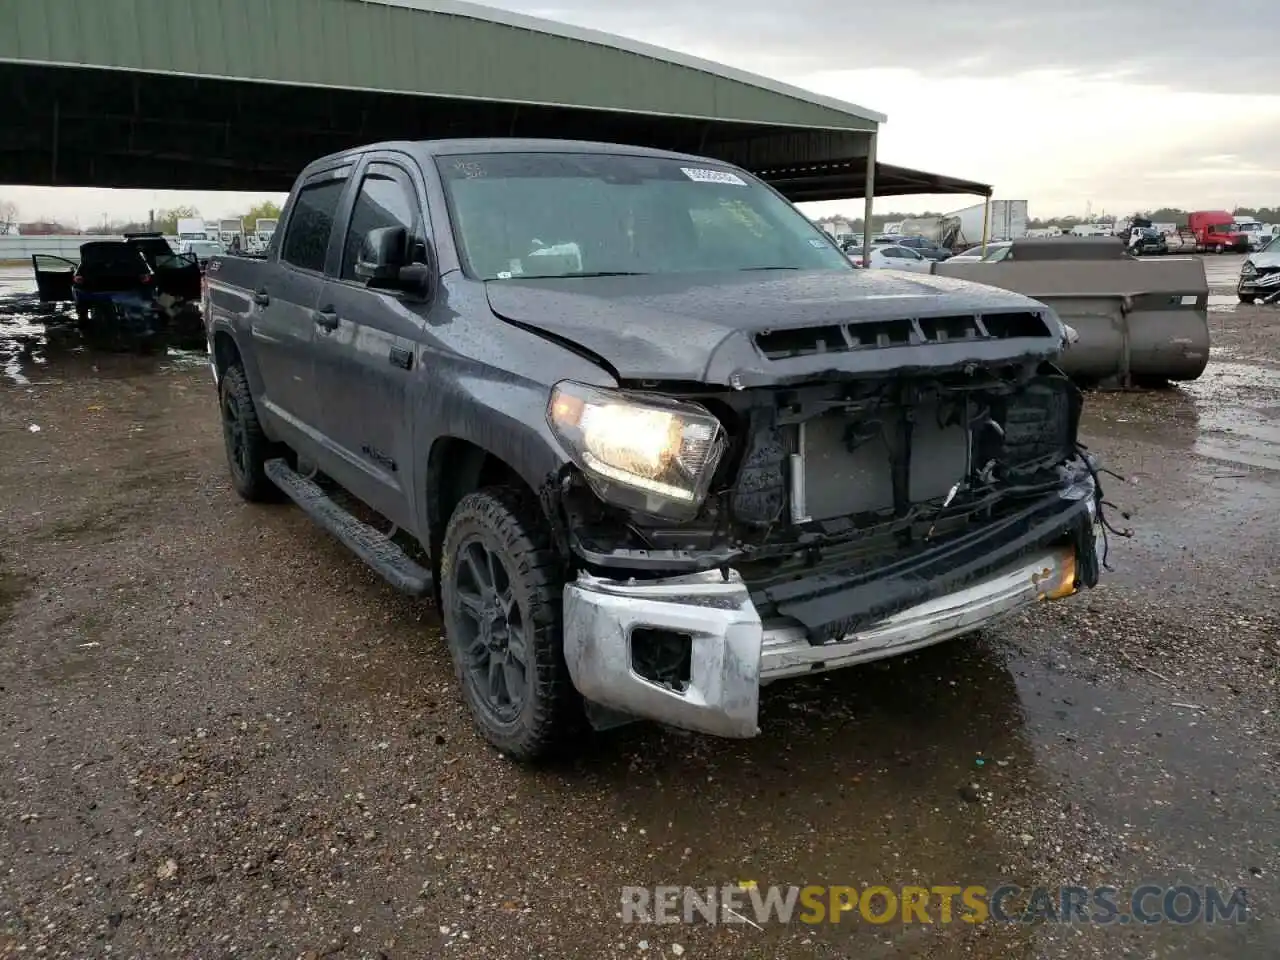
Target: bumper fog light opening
(662, 657)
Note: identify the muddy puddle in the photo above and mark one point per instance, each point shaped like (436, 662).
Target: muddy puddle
(1239, 414)
(41, 342)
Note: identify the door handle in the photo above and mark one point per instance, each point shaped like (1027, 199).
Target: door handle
(261, 298)
(326, 319)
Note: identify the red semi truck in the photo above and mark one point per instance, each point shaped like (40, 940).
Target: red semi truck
(1217, 231)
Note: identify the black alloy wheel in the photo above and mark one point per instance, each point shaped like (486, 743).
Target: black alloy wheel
(492, 640)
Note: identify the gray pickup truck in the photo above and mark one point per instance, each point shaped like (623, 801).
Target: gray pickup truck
(643, 432)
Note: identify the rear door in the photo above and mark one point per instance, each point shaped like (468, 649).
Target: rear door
(283, 307)
(54, 277)
(368, 356)
(177, 275)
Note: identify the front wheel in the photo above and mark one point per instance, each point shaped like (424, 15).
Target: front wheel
(501, 589)
(1247, 297)
(1217, 248)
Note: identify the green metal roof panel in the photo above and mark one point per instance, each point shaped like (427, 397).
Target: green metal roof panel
(429, 47)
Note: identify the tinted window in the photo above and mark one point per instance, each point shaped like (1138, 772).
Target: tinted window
(385, 200)
(111, 255)
(577, 214)
(307, 238)
(893, 253)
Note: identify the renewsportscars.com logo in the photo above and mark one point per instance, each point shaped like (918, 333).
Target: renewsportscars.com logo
(757, 906)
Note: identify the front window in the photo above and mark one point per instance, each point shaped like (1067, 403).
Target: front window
(1224, 228)
(529, 215)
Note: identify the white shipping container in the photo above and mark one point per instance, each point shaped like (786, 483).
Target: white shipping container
(1008, 221)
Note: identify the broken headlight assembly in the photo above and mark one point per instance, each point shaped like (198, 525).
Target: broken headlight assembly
(640, 452)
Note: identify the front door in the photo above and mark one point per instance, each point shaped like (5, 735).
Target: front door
(283, 310)
(53, 277)
(367, 359)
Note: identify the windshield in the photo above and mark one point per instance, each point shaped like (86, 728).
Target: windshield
(568, 214)
(1224, 228)
(206, 249)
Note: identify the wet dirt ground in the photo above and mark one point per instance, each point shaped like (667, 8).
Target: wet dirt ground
(221, 736)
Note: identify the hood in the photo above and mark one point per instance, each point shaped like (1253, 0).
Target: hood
(702, 327)
(1265, 260)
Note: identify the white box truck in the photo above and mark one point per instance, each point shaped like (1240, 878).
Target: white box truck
(1008, 221)
(191, 228)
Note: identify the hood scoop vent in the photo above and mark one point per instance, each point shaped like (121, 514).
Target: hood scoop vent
(843, 338)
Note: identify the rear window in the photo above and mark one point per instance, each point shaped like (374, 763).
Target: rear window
(111, 255)
(306, 238)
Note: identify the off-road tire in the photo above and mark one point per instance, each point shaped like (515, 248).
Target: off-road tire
(509, 524)
(250, 479)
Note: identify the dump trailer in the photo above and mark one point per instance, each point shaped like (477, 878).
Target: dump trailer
(1138, 320)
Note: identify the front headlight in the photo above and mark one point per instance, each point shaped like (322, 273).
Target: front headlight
(641, 452)
(1248, 270)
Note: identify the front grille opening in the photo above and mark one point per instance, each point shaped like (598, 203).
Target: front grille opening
(664, 657)
(1008, 326)
(942, 329)
(800, 342)
(881, 333)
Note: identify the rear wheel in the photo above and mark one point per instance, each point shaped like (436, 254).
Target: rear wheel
(501, 590)
(248, 448)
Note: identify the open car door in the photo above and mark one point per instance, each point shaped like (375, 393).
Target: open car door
(177, 274)
(53, 277)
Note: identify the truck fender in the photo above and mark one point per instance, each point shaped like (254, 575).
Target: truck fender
(471, 426)
(227, 344)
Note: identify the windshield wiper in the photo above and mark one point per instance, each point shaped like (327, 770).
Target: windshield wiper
(573, 276)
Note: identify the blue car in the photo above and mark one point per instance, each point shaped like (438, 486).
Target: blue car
(119, 292)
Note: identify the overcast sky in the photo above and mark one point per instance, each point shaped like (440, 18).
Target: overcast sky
(1064, 103)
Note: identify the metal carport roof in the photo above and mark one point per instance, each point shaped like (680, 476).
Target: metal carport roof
(241, 94)
(840, 181)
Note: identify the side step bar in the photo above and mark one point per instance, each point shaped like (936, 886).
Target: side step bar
(371, 546)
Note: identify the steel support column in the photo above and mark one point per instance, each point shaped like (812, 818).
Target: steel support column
(869, 200)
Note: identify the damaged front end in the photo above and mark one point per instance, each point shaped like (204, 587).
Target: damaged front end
(727, 537)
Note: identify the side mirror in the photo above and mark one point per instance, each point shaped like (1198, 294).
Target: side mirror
(390, 260)
(384, 251)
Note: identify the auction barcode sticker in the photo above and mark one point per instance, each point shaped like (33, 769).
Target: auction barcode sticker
(713, 176)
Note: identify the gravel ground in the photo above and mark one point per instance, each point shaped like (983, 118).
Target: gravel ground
(221, 736)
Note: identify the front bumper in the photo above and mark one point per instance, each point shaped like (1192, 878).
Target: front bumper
(734, 653)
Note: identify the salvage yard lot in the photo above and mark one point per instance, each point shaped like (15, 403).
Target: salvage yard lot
(221, 735)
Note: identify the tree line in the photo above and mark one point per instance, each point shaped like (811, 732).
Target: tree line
(165, 221)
